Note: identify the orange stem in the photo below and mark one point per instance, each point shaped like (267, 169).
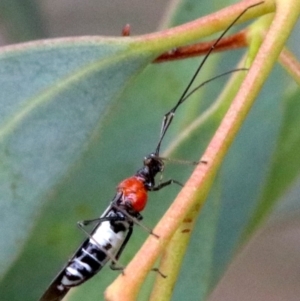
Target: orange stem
(234, 41)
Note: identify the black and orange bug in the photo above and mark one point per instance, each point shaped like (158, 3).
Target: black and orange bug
(114, 227)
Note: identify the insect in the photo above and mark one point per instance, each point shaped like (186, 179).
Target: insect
(114, 227)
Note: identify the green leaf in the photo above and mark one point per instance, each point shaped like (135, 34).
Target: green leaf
(285, 162)
(65, 133)
(70, 132)
(54, 96)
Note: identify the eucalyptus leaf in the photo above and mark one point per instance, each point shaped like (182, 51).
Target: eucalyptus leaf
(74, 124)
(53, 97)
(285, 163)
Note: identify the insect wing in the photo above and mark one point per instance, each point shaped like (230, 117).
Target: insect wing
(53, 293)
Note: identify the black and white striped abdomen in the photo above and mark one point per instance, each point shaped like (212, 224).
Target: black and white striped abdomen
(106, 239)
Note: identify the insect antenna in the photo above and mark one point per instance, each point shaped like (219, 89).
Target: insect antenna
(210, 80)
(168, 117)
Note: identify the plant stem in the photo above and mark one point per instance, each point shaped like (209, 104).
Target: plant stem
(193, 194)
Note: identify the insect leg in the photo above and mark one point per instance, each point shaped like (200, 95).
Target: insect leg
(136, 220)
(113, 264)
(100, 220)
(164, 184)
